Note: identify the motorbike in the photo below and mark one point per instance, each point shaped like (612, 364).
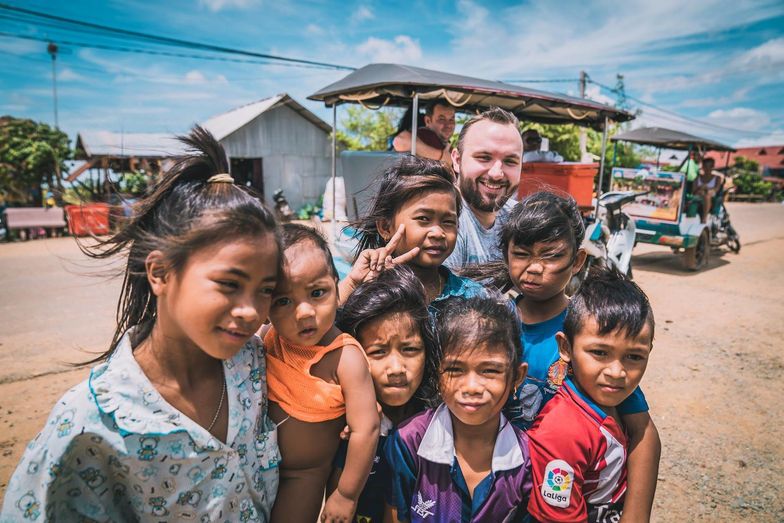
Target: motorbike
(722, 231)
(282, 209)
(610, 236)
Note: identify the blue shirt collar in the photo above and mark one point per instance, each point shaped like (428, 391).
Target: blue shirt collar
(457, 286)
(575, 391)
(438, 443)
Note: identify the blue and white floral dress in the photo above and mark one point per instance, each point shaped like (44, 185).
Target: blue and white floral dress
(114, 450)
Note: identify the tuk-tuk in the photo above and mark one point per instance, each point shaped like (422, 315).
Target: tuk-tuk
(666, 214)
(383, 85)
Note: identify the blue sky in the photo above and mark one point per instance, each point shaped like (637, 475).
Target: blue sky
(719, 62)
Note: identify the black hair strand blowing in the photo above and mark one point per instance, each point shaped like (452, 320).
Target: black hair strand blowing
(182, 213)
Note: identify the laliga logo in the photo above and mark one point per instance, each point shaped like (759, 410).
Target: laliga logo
(558, 479)
(557, 487)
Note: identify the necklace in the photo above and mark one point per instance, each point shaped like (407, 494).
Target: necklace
(220, 403)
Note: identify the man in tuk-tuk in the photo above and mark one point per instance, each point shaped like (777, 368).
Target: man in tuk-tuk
(432, 138)
(705, 187)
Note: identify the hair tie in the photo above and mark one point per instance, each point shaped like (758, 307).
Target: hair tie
(220, 178)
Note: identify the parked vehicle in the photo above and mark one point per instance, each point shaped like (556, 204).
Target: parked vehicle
(383, 85)
(668, 213)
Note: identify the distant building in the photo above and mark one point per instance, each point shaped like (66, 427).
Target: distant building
(123, 152)
(769, 157)
(274, 143)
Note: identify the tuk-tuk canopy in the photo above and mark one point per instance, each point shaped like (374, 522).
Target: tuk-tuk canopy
(669, 139)
(378, 85)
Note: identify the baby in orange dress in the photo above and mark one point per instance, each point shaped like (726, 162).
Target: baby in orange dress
(319, 381)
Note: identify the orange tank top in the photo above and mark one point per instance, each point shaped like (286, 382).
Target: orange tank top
(291, 385)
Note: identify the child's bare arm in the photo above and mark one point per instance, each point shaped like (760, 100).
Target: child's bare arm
(390, 514)
(362, 418)
(642, 467)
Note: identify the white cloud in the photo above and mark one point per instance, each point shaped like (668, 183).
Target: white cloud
(22, 47)
(361, 14)
(766, 56)
(741, 118)
(195, 77)
(774, 138)
(738, 95)
(69, 75)
(314, 30)
(217, 5)
(595, 93)
(535, 37)
(403, 49)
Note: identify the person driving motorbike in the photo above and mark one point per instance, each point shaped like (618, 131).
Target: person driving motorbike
(706, 185)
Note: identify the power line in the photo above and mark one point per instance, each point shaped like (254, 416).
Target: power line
(678, 116)
(542, 81)
(172, 41)
(130, 74)
(126, 49)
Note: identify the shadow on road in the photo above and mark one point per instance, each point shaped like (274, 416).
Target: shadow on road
(666, 262)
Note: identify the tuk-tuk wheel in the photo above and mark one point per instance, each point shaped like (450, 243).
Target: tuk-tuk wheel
(733, 240)
(697, 256)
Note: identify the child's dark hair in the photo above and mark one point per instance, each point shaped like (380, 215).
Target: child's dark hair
(540, 217)
(396, 290)
(613, 300)
(480, 321)
(294, 233)
(410, 177)
(188, 209)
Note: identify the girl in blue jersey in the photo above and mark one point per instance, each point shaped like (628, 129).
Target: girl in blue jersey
(389, 317)
(172, 423)
(411, 220)
(541, 246)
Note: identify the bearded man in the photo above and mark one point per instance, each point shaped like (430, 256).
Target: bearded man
(487, 162)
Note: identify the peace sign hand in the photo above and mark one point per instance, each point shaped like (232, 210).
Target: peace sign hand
(371, 262)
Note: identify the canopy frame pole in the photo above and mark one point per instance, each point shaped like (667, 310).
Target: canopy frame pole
(658, 157)
(601, 168)
(334, 170)
(414, 122)
(612, 165)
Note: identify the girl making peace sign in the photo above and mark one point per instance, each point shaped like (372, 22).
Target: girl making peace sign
(412, 220)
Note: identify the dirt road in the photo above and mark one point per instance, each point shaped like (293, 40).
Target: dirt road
(714, 380)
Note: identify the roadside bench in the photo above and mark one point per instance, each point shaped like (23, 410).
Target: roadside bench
(26, 218)
(748, 197)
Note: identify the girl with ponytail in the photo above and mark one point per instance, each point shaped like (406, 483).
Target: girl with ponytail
(172, 423)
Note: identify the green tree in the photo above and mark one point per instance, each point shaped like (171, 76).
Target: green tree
(745, 164)
(366, 129)
(747, 180)
(31, 154)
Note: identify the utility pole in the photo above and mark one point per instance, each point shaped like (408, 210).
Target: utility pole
(52, 50)
(583, 136)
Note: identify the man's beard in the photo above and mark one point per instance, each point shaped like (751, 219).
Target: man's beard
(472, 196)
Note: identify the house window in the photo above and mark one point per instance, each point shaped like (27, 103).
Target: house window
(763, 152)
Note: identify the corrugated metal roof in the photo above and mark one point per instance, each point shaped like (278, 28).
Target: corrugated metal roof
(141, 145)
(225, 124)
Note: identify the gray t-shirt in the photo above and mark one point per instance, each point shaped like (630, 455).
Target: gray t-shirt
(475, 243)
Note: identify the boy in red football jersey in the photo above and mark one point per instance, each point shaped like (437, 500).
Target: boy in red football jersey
(578, 446)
